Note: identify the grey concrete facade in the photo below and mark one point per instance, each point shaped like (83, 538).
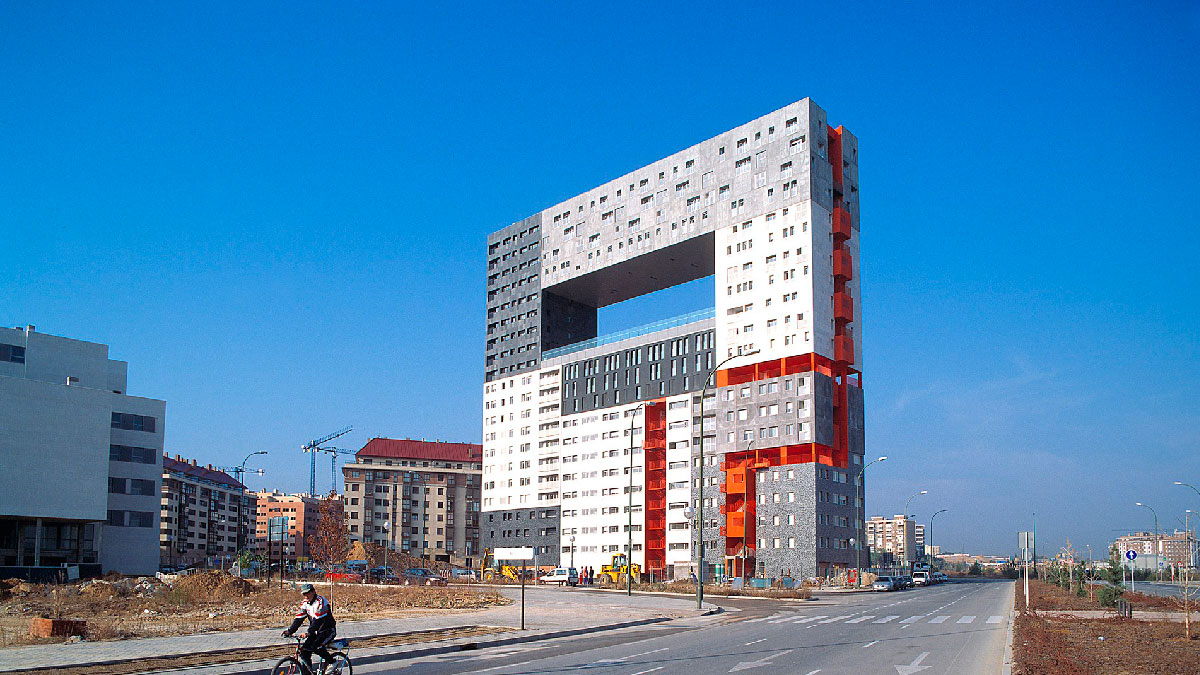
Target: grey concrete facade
(534, 527)
(513, 302)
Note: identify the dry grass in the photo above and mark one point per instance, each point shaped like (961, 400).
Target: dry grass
(210, 602)
(684, 587)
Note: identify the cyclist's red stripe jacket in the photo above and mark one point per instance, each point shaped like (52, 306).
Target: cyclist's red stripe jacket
(319, 614)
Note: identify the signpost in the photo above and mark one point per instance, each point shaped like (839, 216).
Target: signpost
(275, 525)
(524, 555)
(1025, 541)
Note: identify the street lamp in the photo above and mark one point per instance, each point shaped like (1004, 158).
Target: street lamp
(572, 550)
(387, 542)
(700, 490)
(931, 558)
(1157, 551)
(922, 492)
(645, 470)
(858, 526)
(242, 498)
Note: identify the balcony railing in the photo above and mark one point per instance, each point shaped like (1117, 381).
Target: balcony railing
(638, 331)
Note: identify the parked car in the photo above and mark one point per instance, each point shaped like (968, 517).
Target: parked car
(941, 577)
(885, 583)
(461, 574)
(419, 576)
(906, 581)
(563, 576)
(382, 575)
(922, 579)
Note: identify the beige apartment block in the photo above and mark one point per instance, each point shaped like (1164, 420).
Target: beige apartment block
(896, 535)
(303, 512)
(418, 497)
(201, 514)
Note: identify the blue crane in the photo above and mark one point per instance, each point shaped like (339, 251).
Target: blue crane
(313, 447)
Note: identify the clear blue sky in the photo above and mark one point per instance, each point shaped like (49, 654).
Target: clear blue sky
(276, 212)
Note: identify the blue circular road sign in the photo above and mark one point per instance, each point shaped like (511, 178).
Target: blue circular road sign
(1131, 554)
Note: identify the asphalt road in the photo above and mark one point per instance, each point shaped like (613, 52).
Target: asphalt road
(958, 627)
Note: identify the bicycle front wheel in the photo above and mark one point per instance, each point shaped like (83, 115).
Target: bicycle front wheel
(339, 664)
(288, 666)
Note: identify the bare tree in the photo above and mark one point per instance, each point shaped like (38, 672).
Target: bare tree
(330, 544)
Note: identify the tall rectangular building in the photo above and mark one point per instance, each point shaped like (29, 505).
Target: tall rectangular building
(201, 515)
(82, 458)
(599, 444)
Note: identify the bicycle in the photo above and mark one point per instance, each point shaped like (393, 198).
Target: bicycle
(338, 663)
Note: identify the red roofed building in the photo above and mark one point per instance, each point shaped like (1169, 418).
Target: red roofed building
(420, 497)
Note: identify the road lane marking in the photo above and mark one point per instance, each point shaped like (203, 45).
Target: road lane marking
(886, 619)
(938, 619)
(873, 642)
(860, 619)
(814, 672)
(837, 618)
(811, 618)
(913, 619)
(766, 660)
(995, 619)
(756, 642)
(632, 656)
(649, 671)
(966, 619)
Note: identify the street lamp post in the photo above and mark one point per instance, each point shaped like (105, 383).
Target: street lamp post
(572, 551)
(700, 490)
(858, 525)
(387, 542)
(1157, 550)
(242, 498)
(931, 558)
(629, 545)
(922, 492)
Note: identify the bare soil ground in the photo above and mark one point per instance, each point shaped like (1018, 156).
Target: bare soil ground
(719, 590)
(1053, 646)
(145, 607)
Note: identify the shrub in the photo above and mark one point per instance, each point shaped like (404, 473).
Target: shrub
(1109, 595)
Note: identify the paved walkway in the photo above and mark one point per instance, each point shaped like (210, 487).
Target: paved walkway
(546, 611)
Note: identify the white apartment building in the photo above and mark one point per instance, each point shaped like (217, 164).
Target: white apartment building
(82, 458)
(584, 433)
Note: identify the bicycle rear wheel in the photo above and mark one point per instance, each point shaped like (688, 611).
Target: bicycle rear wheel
(339, 664)
(289, 666)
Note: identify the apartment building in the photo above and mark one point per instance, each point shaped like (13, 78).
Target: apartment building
(583, 431)
(1175, 549)
(200, 513)
(896, 535)
(67, 420)
(303, 513)
(416, 496)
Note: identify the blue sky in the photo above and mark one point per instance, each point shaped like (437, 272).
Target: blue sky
(276, 213)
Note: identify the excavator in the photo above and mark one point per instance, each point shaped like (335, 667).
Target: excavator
(495, 573)
(614, 573)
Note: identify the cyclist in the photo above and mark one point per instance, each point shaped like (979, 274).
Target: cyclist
(321, 626)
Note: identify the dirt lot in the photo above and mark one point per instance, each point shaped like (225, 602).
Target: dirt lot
(146, 607)
(1046, 646)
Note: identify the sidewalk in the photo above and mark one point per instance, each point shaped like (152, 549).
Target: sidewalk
(547, 611)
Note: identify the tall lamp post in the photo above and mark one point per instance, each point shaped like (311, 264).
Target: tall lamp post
(572, 551)
(1157, 550)
(922, 492)
(629, 526)
(387, 542)
(858, 525)
(242, 498)
(931, 558)
(700, 490)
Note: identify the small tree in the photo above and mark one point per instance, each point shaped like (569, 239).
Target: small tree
(330, 544)
(976, 570)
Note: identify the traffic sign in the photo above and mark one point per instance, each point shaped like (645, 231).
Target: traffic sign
(1131, 554)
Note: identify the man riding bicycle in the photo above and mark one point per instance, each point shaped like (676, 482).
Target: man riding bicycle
(321, 626)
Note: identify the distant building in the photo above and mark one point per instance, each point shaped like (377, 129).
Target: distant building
(895, 535)
(419, 497)
(82, 458)
(200, 514)
(303, 512)
(1177, 549)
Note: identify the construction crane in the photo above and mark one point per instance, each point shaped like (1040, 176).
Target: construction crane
(333, 453)
(313, 447)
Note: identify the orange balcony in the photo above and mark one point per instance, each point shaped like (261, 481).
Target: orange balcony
(841, 224)
(843, 307)
(843, 349)
(735, 525)
(723, 489)
(843, 264)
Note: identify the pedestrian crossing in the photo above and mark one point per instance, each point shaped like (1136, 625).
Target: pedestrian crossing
(857, 619)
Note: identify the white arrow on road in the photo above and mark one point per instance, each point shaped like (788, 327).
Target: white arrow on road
(914, 667)
(747, 665)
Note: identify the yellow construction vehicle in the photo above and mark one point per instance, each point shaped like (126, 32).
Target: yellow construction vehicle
(501, 573)
(615, 572)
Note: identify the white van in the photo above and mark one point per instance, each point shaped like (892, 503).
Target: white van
(921, 578)
(563, 576)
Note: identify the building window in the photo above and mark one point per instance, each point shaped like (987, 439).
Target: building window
(127, 453)
(12, 353)
(133, 422)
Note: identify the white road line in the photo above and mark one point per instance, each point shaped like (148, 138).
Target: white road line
(813, 672)
(995, 619)
(643, 672)
(913, 619)
(811, 618)
(761, 618)
(837, 618)
(966, 619)
(632, 656)
(873, 642)
(756, 642)
(886, 619)
(938, 619)
(860, 619)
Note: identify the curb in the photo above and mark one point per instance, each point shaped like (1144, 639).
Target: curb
(1007, 664)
